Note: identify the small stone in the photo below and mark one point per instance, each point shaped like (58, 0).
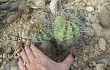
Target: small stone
(89, 31)
(102, 44)
(86, 68)
(8, 50)
(78, 0)
(35, 4)
(23, 9)
(99, 66)
(3, 0)
(53, 6)
(88, 24)
(104, 18)
(25, 17)
(0, 56)
(89, 9)
(85, 58)
(0, 60)
(5, 6)
(94, 63)
(104, 61)
(106, 34)
(11, 18)
(5, 55)
(97, 28)
(0, 46)
(83, 4)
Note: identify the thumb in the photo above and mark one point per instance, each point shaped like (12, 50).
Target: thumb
(69, 60)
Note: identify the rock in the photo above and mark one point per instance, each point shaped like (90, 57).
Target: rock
(93, 63)
(97, 28)
(35, 4)
(83, 4)
(99, 67)
(0, 46)
(9, 50)
(23, 9)
(14, 7)
(5, 6)
(5, 55)
(3, 0)
(0, 56)
(85, 58)
(89, 31)
(106, 34)
(102, 44)
(104, 18)
(88, 24)
(53, 6)
(104, 61)
(86, 68)
(13, 65)
(78, 0)
(0, 60)
(11, 18)
(89, 9)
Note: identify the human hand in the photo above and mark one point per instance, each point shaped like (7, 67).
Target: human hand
(33, 59)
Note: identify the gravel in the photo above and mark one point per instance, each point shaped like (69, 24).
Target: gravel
(16, 17)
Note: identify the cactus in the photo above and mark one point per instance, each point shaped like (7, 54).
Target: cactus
(66, 30)
(41, 32)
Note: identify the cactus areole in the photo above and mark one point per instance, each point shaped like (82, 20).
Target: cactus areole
(66, 30)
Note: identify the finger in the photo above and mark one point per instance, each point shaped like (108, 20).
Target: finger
(21, 65)
(23, 55)
(29, 53)
(69, 60)
(36, 51)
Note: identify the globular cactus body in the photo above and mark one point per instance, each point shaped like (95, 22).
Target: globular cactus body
(41, 32)
(66, 30)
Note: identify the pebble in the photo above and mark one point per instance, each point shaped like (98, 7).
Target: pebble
(78, 0)
(0, 56)
(89, 9)
(5, 6)
(93, 63)
(53, 6)
(3, 0)
(97, 28)
(105, 61)
(0, 46)
(104, 18)
(106, 34)
(85, 58)
(5, 55)
(35, 4)
(0, 60)
(11, 18)
(8, 50)
(99, 67)
(89, 31)
(86, 68)
(102, 44)
(88, 24)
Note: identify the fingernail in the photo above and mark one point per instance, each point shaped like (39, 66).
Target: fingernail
(73, 56)
(20, 50)
(28, 45)
(17, 59)
(22, 45)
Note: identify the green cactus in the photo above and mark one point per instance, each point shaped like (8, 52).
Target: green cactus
(41, 32)
(66, 29)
